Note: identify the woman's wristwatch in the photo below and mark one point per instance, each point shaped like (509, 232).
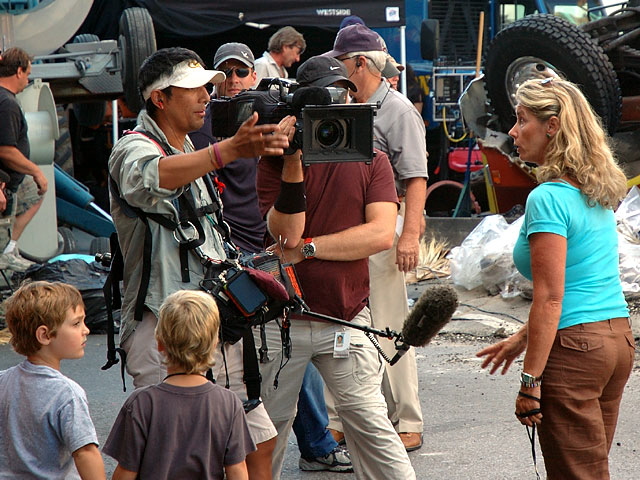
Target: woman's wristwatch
(529, 381)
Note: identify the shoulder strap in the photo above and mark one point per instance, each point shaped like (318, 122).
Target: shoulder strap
(252, 377)
(220, 224)
(135, 212)
(111, 291)
(214, 193)
(158, 143)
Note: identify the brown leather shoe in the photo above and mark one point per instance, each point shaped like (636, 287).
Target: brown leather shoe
(337, 435)
(411, 440)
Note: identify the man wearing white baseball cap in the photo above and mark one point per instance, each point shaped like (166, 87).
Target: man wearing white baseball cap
(155, 174)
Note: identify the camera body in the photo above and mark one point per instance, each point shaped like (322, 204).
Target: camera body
(228, 114)
(327, 129)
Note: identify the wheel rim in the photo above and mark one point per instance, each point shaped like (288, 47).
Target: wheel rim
(523, 69)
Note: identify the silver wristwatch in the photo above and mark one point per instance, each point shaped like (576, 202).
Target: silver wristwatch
(529, 381)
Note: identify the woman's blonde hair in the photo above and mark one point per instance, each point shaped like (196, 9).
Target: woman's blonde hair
(188, 326)
(580, 148)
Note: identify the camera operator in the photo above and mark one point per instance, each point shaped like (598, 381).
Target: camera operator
(399, 132)
(328, 218)
(158, 178)
(318, 449)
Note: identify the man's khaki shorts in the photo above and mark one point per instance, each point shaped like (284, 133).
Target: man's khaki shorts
(17, 203)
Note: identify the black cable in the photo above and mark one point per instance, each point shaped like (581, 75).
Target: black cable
(285, 353)
(489, 312)
(532, 438)
(374, 340)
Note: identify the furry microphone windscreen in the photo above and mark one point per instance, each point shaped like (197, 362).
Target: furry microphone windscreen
(432, 311)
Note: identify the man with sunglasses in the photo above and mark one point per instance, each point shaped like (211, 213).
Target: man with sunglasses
(319, 451)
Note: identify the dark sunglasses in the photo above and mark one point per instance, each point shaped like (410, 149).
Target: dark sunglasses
(240, 72)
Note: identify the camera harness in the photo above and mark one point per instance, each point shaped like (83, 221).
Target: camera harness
(188, 218)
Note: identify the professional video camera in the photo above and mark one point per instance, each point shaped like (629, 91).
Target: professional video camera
(327, 129)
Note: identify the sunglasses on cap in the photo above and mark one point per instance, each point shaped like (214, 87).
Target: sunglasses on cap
(240, 72)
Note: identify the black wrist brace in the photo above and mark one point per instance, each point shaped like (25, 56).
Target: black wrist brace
(292, 198)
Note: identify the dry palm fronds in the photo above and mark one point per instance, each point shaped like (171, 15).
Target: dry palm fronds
(432, 263)
(5, 336)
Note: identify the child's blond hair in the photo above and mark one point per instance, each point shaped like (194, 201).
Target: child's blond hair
(35, 304)
(188, 326)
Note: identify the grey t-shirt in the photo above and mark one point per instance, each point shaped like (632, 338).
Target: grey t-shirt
(44, 419)
(166, 431)
(398, 130)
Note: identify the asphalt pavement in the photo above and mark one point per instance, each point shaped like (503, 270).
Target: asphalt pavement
(470, 430)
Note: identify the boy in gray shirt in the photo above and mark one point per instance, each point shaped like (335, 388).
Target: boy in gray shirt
(186, 426)
(46, 431)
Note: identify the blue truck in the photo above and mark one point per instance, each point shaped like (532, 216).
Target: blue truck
(453, 27)
(594, 43)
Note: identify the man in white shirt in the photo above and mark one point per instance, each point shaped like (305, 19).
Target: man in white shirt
(284, 49)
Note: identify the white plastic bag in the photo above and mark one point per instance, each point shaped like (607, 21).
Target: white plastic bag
(628, 216)
(465, 259)
(497, 267)
(629, 265)
(628, 222)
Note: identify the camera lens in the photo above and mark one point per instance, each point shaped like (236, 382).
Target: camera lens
(330, 133)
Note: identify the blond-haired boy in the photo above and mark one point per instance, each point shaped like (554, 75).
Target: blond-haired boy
(46, 428)
(185, 427)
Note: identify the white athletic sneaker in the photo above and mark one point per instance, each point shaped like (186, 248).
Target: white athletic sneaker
(337, 460)
(14, 261)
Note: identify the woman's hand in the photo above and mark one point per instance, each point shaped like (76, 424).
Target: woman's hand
(3, 198)
(528, 406)
(503, 353)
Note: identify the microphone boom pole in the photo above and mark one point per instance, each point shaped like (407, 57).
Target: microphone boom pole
(432, 311)
(386, 333)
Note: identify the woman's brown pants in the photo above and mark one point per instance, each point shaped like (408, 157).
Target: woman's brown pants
(583, 381)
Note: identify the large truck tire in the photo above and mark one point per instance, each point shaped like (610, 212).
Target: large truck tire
(64, 149)
(137, 41)
(526, 48)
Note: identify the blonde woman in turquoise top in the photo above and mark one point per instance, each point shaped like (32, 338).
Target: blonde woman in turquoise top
(578, 341)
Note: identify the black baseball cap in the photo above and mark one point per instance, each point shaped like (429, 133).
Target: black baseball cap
(322, 72)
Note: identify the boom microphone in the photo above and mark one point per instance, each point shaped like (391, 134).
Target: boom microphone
(432, 311)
